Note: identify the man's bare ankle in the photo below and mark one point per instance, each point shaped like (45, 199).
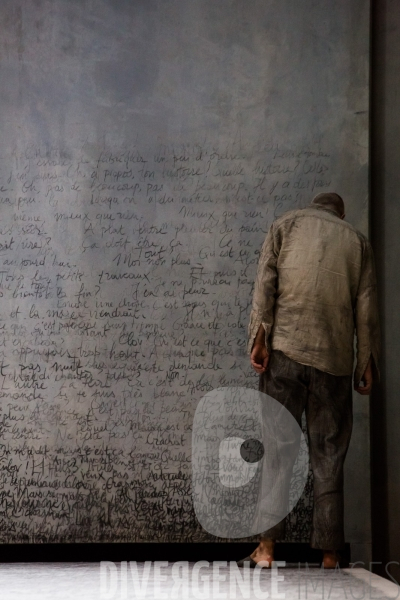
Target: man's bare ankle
(267, 542)
(331, 558)
(265, 548)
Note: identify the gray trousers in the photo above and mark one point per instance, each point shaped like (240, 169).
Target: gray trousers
(327, 401)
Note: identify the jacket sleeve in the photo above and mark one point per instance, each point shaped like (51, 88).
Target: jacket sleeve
(262, 311)
(366, 316)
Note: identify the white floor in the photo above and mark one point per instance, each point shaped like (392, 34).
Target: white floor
(185, 580)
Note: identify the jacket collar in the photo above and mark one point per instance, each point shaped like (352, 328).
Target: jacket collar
(330, 210)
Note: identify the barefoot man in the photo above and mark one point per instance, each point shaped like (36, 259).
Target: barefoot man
(315, 288)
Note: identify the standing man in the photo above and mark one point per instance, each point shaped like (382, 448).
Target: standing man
(315, 287)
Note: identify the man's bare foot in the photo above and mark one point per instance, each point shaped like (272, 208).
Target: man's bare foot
(264, 552)
(331, 559)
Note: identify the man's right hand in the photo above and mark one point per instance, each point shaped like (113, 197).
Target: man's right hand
(367, 379)
(259, 358)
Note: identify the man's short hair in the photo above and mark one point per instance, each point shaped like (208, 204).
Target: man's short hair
(329, 200)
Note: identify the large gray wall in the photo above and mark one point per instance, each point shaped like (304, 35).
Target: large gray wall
(385, 220)
(146, 147)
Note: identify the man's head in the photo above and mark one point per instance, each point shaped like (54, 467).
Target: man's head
(330, 200)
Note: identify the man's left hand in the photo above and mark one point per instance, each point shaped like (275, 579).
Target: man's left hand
(259, 358)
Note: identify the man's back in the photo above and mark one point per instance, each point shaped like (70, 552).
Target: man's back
(315, 283)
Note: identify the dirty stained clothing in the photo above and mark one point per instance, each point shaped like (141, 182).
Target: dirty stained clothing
(327, 401)
(315, 288)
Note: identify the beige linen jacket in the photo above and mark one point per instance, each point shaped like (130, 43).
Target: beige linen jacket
(315, 288)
